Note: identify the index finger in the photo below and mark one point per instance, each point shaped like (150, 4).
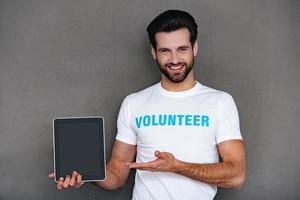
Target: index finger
(141, 165)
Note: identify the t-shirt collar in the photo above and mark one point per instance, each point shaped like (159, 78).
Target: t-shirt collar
(184, 93)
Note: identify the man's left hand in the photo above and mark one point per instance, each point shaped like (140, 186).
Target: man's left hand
(165, 162)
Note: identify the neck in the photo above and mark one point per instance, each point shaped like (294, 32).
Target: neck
(187, 84)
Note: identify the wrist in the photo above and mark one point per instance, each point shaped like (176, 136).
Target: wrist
(178, 166)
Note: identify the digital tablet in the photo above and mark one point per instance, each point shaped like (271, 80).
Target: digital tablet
(79, 145)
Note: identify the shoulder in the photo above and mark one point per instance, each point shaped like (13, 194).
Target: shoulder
(141, 95)
(214, 94)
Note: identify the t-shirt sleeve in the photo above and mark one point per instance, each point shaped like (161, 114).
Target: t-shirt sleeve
(125, 132)
(228, 125)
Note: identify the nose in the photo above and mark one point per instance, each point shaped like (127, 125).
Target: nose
(174, 58)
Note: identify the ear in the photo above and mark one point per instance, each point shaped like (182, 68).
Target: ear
(153, 52)
(195, 48)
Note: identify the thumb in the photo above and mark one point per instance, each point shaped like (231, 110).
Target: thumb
(157, 153)
(160, 154)
(164, 155)
(51, 175)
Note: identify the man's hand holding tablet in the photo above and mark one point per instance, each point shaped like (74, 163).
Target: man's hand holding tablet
(74, 181)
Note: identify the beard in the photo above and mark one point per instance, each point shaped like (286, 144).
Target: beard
(176, 77)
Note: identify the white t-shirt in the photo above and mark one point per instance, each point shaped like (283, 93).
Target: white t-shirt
(188, 124)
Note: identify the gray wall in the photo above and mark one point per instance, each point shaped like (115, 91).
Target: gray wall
(75, 58)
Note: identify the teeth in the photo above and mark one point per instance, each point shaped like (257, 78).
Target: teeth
(175, 67)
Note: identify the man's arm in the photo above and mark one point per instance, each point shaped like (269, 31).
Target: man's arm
(229, 174)
(116, 170)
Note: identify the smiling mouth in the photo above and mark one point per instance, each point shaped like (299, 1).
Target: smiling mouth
(176, 67)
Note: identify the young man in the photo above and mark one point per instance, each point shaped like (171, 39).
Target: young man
(176, 129)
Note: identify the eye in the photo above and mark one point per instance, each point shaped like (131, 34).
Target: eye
(163, 50)
(183, 49)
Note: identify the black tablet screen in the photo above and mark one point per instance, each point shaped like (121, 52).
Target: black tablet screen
(79, 145)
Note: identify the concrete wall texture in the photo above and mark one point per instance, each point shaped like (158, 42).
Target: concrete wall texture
(77, 58)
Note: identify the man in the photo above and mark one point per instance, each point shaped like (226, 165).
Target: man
(176, 128)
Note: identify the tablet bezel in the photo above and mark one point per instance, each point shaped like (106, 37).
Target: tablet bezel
(104, 152)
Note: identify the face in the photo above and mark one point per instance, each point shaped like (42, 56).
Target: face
(174, 54)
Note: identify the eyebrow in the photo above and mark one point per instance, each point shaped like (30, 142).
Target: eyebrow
(180, 47)
(184, 47)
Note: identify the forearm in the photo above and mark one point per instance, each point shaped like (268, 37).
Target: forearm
(115, 177)
(111, 182)
(116, 169)
(226, 174)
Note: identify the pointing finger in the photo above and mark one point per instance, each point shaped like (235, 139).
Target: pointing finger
(141, 165)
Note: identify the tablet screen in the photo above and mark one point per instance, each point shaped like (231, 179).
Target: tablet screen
(79, 145)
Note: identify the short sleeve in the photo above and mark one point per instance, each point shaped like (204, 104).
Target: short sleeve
(125, 132)
(228, 120)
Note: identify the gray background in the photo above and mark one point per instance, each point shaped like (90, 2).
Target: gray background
(76, 58)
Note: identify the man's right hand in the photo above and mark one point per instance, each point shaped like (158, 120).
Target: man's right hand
(74, 181)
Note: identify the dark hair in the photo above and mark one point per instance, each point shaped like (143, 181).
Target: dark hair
(172, 20)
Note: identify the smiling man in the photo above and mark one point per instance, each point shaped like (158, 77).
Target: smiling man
(174, 132)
